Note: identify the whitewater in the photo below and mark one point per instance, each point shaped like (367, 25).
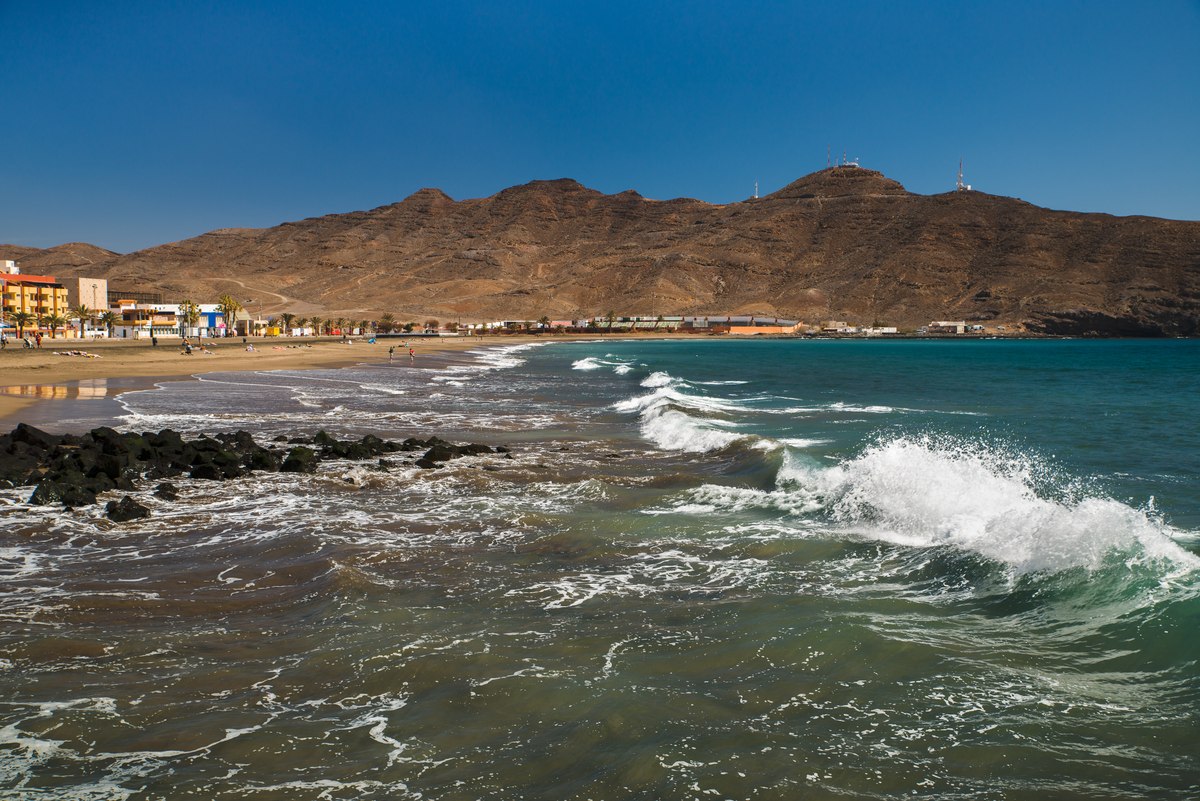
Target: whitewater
(757, 569)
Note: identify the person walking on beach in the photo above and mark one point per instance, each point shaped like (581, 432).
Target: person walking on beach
(38, 338)
(412, 356)
(391, 353)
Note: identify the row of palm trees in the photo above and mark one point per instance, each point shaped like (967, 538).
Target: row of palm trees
(190, 314)
(321, 325)
(55, 321)
(386, 324)
(188, 309)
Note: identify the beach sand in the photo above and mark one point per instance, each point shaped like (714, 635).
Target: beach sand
(27, 376)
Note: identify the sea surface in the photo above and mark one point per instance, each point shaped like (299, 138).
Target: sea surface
(710, 569)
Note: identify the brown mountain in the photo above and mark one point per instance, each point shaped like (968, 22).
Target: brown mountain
(73, 258)
(842, 243)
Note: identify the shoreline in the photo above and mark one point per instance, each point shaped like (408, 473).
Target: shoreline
(29, 379)
(34, 379)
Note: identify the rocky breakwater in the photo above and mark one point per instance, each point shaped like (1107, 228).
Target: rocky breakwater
(74, 469)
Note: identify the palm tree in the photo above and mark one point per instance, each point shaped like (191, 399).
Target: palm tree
(190, 313)
(317, 322)
(55, 321)
(340, 324)
(81, 313)
(109, 319)
(543, 322)
(287, 318)
(611, 316)
(302, 322)
(22, 319)
(387, 322)
(229, 308)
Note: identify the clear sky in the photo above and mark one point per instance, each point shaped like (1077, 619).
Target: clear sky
(129, 124)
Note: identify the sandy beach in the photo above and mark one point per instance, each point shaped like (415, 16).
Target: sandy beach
(27, 376)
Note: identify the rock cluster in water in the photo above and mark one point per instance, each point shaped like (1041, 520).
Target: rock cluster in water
(72, 469)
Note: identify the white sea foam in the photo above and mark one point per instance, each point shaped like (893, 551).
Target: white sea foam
(674, 419)
(485, 360)
(658, 379)
(616, 364)
(924, 492)
(646, 574)
(802, 442)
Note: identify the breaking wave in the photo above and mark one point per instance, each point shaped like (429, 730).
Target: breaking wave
(674, 419)
(930, 492)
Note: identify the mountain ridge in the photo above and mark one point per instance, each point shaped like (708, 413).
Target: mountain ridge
(841, 243)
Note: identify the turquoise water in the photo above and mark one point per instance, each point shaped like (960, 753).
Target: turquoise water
(760, 569)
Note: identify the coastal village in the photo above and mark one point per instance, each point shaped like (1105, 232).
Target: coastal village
(37, 306)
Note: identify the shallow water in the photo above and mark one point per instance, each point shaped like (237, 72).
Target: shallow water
(728, 569)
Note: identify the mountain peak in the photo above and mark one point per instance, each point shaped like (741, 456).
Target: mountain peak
(556, 186)
(427, 196)
(840, 181)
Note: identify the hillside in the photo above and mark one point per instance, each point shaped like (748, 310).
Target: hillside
(69, 259)
(843, 243)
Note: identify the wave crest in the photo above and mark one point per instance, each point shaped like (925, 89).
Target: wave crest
(673, 419)
(926, 492)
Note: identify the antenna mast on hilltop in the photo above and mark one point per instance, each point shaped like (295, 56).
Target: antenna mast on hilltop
(960, 186)
(756, 190)
(828, 157)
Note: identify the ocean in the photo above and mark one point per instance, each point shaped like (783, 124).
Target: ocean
(707, 569)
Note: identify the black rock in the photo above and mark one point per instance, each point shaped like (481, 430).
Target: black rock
(300, 460)
(167, 491)
(441, 452)
(39, 439)
(261, 459)
(52, 492)
(125, 510)
(208, 471)
(166, 440)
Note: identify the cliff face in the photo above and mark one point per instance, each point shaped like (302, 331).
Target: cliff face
(845, 243)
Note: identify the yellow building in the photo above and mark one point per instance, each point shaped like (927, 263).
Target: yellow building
(39, 296)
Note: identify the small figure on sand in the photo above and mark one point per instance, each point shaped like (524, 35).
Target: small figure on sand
(391, 353)
(412, 356)
(187, 348)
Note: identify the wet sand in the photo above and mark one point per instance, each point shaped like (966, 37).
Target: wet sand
(27, 376)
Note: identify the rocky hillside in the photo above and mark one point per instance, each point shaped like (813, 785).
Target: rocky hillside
(73, 258)
(843, 243)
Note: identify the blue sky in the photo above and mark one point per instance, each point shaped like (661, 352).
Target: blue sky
(130, 124)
